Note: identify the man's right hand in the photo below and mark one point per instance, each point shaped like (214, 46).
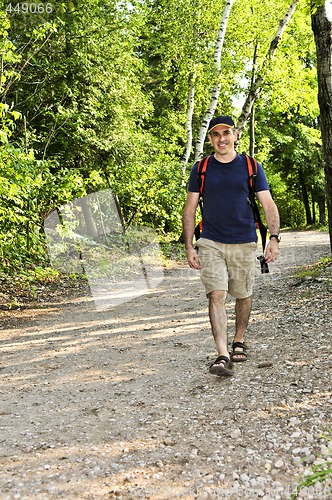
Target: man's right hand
(193, 259)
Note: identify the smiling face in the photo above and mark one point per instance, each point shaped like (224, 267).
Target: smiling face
(223, 139)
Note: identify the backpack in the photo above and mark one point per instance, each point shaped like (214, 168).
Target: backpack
(252, 174)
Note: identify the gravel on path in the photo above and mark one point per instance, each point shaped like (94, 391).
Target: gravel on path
(119, 403)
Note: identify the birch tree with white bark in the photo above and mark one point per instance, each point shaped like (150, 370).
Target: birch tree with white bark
(256, 86)
(216, 91)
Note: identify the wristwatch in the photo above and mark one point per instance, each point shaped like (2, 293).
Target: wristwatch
(276, 236)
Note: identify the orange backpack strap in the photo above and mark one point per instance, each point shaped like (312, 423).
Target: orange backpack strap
(252, 173)
(201, 171)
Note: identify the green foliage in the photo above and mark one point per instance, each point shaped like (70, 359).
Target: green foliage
(292, 158)
(312, 6)
(288, 139)
(320, 473)
(82, 96)
(315, 270)
(290, 209)
(7, 124)
(173, 251)
(93, 95)
(28, 191)
(148, 189)
(9, 56)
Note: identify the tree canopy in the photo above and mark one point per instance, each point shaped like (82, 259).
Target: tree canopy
(94, 94)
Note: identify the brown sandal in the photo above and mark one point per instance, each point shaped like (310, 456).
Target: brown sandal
(242, 354)
(222, 366)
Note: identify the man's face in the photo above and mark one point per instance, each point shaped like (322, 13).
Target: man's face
(222, 139)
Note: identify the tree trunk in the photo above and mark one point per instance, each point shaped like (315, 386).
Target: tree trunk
(305, 198)
(321, 208)
(321, 27)
(190, 111)
(313, 209)
(252, 114)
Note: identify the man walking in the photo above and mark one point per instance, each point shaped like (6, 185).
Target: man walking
(226, 248)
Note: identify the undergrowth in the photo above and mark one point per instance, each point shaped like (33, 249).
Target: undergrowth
(318, 480)
(316, 270)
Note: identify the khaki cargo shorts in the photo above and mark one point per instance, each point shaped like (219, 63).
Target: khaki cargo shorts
(229, 267)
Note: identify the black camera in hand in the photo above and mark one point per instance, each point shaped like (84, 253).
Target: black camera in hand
(264, 264)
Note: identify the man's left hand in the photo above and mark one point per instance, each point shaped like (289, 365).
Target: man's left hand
(271, 250)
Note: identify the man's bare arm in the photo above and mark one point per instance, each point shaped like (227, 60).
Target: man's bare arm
(273, 223)
(188, 226)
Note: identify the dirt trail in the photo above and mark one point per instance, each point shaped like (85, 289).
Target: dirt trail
(119, 403)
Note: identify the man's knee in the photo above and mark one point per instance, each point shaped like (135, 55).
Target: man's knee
(244, 300)
(217, 296)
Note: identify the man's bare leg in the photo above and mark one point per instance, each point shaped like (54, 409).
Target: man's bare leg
(218, 320)
(242, 315)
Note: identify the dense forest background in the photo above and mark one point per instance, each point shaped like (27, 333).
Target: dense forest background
(94, 94)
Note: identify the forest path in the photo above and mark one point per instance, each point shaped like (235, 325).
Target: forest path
(119, 403)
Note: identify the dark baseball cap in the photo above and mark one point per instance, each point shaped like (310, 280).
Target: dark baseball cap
(227, 121)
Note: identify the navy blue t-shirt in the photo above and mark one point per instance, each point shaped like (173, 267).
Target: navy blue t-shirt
(227, 215)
